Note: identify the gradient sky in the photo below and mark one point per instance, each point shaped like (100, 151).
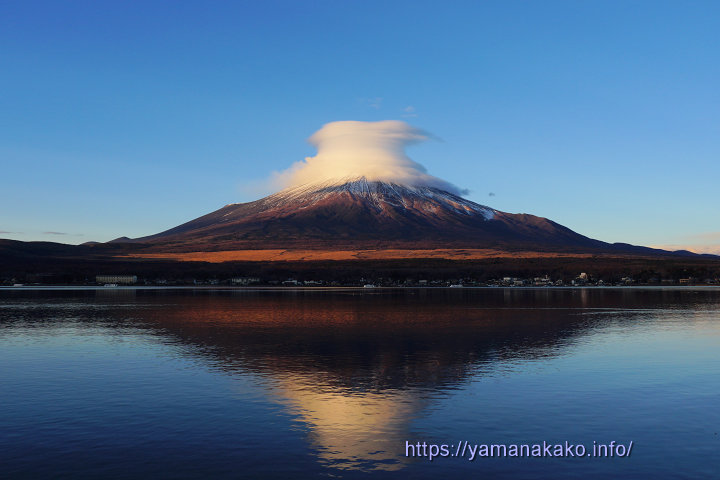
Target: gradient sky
(128, 118)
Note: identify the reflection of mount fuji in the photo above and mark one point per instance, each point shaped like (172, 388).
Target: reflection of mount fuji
(356, 368)
(359, 342)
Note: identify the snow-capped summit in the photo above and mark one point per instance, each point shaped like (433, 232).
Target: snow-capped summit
(381, 195)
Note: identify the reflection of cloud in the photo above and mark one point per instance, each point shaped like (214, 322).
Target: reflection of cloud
(353, 430)
(357, 368)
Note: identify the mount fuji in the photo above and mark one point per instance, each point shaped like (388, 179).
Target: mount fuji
(355, 213)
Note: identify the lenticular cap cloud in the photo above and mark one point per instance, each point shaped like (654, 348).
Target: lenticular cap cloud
(374, 150)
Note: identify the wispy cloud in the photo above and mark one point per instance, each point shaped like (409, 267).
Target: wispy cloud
(704, 242)
(4, 231)
(711, 249)
(374, 102)
(64, 233)
(410, 112)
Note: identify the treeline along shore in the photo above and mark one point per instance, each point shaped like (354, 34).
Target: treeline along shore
(52, 264)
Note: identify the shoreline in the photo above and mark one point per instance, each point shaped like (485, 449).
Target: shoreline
(355, 288)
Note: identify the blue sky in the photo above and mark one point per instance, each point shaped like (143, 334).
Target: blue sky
(127, 118)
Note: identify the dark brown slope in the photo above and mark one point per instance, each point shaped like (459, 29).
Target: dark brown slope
(361, 214)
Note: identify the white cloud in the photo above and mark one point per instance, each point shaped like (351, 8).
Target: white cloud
(374, 150)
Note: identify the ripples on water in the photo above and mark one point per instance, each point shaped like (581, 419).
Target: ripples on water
(208, 384)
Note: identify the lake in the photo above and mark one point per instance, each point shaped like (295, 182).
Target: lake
(359, 383)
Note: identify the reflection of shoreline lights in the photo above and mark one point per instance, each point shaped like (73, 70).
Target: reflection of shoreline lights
(361, 431)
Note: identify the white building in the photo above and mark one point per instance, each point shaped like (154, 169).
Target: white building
(119, 279)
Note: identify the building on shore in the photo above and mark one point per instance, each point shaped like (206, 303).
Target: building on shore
(119, 279)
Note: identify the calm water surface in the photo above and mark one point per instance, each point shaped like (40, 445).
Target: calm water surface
(120, 383)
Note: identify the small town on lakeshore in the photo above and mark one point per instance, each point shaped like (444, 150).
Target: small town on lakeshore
(583, 279)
